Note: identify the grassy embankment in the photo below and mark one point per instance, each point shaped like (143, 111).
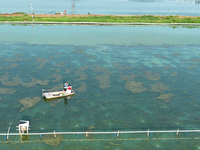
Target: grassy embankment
(101, 18)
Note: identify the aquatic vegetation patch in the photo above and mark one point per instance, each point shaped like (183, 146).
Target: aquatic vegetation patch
(29, 102)
(89, 56)
(100, 69)
(56, 88)
(11, 66)
(194, 60)
(158, 87)
(14, 145)
(61, 64)
(68, 71)
(17, 56)
(191, 67)
(11, 60)
(82, 88)
(7, 91)
(128, 77)
(117, 65)
(167, 67)
(53, 103)
(152, 76)
(17, 81)
(165, 97)
(80, 51)
(174, 73)
(175, 54)
(104, 81)
(25, 137)
(83, 76)
(82, 68)
(51, 140)
(161, 56)
(58, 70)
(34, 82)
(78, 147)
(120, 67)
(57, 77)
(114, 145)
(91, 127)
(135, 87)
(42, 61)
(5, 80)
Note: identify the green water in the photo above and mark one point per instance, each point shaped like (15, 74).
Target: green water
(125, 78)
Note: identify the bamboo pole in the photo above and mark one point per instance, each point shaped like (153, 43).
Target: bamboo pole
(8, 133)
(54, 133)
(86, 134)
(177, 132)
(118, 133)
(20, 131)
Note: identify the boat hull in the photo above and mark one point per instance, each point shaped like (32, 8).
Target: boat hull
(58, 94)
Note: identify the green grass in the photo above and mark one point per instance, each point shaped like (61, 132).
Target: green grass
(105, 19)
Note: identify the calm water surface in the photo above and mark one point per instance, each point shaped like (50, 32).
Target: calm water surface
(125, 78)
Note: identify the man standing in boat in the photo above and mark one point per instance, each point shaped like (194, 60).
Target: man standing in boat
(65, 86)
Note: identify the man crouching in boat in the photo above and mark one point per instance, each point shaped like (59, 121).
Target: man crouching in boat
(69, 89)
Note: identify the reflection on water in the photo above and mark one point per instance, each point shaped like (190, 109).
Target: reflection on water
(197, 2)
(57, 100)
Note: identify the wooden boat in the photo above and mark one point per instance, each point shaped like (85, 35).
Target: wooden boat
(58, 94)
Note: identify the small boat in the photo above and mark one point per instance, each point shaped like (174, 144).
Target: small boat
(23, 126)
(61, 13)
(57, 94)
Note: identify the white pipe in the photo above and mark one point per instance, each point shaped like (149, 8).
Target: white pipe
(169, 131)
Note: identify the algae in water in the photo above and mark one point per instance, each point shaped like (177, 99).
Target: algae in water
(29, 102)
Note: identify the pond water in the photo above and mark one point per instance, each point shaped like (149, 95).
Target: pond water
(125, 78)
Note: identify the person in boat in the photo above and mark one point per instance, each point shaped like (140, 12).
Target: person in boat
(23, 129)
(69, 89)
(65, 86)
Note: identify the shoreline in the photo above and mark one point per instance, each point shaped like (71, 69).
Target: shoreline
(99, 19)
(97, 23)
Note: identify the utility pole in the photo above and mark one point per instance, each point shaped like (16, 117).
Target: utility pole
(32, 12)
(73, 5)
